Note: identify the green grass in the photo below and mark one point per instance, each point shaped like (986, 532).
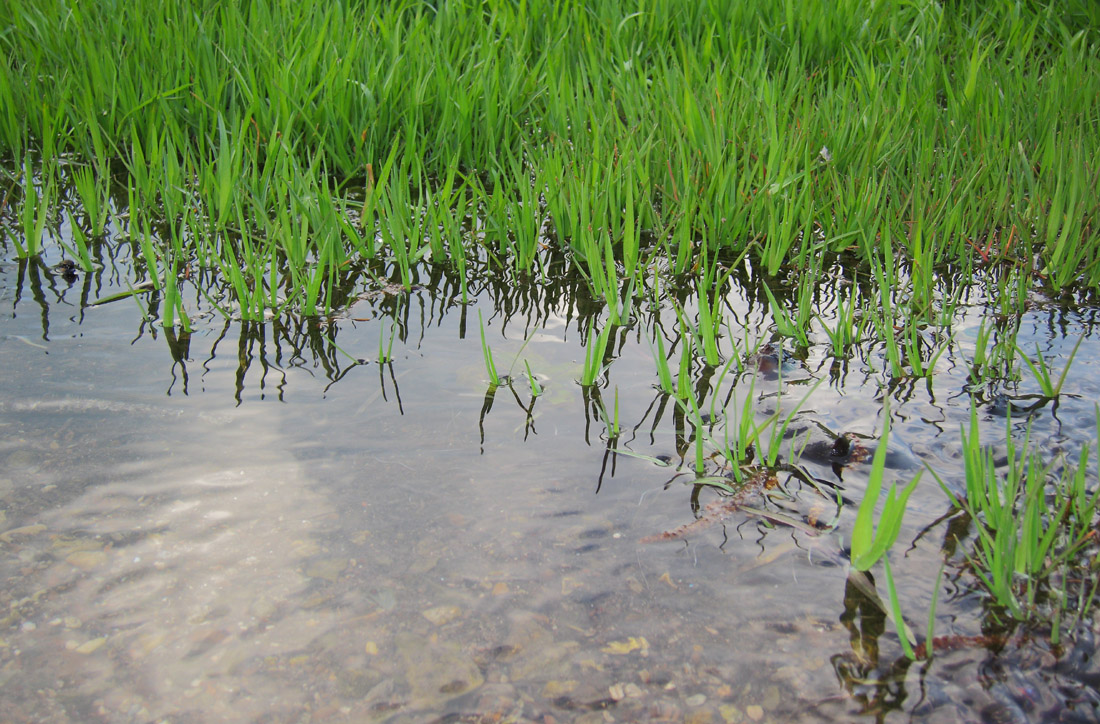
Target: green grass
(1032, 528)
(870, 541)
(618, 134)
(595, 355)
(487, 353)
(1040, 370)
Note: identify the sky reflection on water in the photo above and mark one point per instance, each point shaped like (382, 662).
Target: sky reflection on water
(261, 522)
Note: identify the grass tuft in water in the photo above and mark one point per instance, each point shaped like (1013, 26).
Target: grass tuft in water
(1032, 526)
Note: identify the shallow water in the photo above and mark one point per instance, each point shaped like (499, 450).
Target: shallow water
(260, 523)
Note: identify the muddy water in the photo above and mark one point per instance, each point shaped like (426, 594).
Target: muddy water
(263, 523)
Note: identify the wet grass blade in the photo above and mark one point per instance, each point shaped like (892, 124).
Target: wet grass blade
(1040, 370)
(487, 354)
(870, 541)
(594, 354)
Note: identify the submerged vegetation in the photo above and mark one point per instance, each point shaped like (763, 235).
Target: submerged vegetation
(865, 167)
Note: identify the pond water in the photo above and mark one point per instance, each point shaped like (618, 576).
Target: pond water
(264, 523)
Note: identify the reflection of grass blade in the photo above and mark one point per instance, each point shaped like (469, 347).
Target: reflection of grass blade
(905, 636)
(486, 408)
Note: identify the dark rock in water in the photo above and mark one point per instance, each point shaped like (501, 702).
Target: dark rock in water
(770, 361)
(1004, 406)
(999, 406)
(899, 456)
(842, 450)
(823, 451)
(849, 449)
(67, 270)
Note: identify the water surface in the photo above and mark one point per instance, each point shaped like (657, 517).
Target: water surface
(264, 523)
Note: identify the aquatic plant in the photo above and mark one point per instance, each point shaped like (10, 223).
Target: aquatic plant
(94, 198)
(1032, 526)
(870, 541)
(664, 372)
(1040, 370)
(385, 350)
(683, 374)
(536, 388)
(849, 325)
(487, 354)
(786, 326)
(34, 213)
(611, 420)
(594, 353)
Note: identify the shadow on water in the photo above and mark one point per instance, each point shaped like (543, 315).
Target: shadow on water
(343, 509)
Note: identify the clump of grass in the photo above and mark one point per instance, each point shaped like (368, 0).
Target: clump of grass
(785, 324)
(93, 193)
(1032, 528)
(995, 356)
(595, 352)
(1040, 370)
(34, 214)
(520, 130)
(849, 324)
